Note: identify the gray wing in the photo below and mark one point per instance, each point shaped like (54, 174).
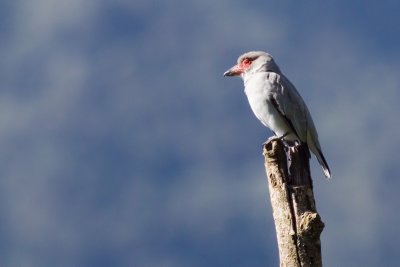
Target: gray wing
(289, 103)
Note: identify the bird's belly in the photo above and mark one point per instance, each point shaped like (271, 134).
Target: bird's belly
(268, 115)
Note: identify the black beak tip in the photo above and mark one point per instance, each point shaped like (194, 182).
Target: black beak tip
(227, 73)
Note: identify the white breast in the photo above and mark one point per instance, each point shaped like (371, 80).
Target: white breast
(259, 89)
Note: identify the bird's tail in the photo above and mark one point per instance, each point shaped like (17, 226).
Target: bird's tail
(315, 148)
(322, 161)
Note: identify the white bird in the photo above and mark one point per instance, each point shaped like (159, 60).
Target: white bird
(276, 102)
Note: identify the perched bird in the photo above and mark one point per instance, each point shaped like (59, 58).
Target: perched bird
(276, 102)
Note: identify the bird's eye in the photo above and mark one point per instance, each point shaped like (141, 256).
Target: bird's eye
(246, 62)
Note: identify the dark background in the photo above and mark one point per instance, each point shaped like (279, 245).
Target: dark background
(123, 145)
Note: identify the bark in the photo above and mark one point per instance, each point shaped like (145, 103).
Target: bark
(297, 223)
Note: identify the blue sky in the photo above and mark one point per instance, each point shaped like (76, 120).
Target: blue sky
(123, 145)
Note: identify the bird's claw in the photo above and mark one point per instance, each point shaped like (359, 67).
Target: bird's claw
(272, 138)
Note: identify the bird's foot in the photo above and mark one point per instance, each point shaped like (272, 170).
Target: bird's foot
(274, 138)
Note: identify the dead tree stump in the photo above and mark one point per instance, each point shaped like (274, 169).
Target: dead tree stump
(297, 223)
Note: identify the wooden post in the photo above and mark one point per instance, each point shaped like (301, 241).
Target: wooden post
(297, 223)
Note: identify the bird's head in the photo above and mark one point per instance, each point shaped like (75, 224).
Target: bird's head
(253, 62)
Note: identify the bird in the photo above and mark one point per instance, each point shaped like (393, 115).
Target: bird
(276, 102)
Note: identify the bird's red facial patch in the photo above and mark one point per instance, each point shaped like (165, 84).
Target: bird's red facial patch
(246, 62)
(240, 68)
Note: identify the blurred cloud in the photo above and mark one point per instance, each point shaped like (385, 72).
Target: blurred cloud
(122, 144)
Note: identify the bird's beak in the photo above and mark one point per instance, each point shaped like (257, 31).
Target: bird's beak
(234, 71)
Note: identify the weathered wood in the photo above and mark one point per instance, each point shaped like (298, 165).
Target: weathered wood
(297, 223)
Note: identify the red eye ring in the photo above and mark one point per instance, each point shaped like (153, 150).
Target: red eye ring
(246, 62)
